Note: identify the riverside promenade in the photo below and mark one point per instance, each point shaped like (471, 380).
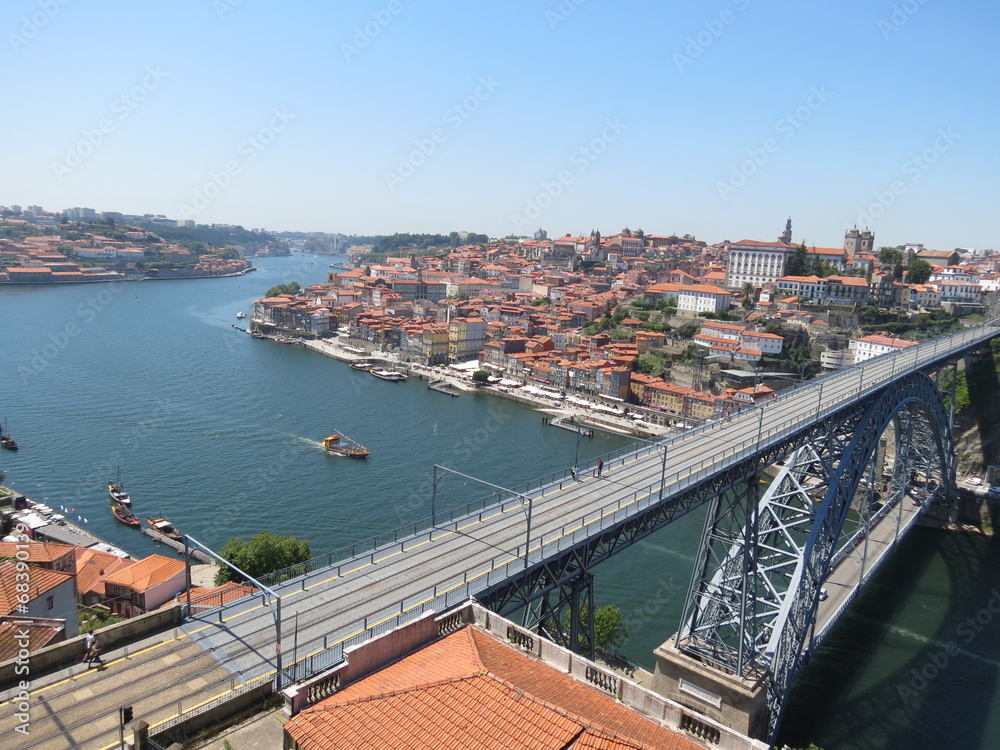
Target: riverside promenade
(576, 408)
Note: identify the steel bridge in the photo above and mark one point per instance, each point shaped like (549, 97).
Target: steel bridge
(856, 456)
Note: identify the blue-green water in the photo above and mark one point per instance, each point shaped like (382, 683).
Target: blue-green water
(220, 433)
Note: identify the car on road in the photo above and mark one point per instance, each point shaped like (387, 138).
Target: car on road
(823, 595)
(974, 480)
(993, 492)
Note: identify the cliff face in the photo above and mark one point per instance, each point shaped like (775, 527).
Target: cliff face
(977, 441)
(977, 436)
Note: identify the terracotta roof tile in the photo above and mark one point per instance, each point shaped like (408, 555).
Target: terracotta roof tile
(41, 581)
(470, 690)
(146, 573)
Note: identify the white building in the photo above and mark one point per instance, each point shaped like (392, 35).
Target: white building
(703, 298)
(756, 262)
(960, 291)
(873, 346)
(766, 343)
(803, 287)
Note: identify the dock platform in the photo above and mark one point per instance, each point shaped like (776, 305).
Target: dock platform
(178, 546)
(568, 423)
(442, 386)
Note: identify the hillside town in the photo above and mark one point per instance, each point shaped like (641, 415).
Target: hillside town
(78, 245)
(664, 322)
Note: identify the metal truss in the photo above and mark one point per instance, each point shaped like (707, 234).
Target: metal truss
(752, 603)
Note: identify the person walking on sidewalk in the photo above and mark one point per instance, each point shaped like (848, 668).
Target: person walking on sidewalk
(94, 655)
(88, 643)
(600, 466)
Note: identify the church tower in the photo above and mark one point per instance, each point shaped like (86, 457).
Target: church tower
(786, 236)
(851, 239)
(867, 241)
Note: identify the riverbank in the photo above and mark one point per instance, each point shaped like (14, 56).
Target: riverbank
(553, 406)
(54, 525)
(122, 278)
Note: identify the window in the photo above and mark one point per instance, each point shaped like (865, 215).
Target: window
(50, 602)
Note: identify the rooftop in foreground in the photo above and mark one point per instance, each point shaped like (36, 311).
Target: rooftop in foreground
(473, 679)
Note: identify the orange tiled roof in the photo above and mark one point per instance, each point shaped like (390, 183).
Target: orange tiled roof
(41, 581)
(91, 567)
(470, 690)
(38, 552)
(146, 573)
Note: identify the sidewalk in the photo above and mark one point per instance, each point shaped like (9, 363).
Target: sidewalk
(260, 732)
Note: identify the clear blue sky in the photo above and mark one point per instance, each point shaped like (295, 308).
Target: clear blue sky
(718, 119)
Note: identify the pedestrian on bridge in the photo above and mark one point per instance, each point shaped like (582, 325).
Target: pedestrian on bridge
(600, 466)
(94, 655)
(574, 471)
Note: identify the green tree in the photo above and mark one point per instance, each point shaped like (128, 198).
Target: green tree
(260, 555)
(291, 288)
(480, 376)
(798, 262)
(748, 291)
(919, 272)
(890, 256)
(610, 630)
(650, 364)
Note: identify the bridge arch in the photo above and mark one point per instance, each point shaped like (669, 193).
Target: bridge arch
(765, 557)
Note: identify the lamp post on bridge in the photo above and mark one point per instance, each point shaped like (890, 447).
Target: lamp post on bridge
(579, 434)
(528, 498)
(275, 613)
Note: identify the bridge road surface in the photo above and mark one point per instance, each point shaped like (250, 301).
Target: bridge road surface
(843, 580)
(334, 604)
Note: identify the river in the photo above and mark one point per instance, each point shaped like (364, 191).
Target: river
(220, 433)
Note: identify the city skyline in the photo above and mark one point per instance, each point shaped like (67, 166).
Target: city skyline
(719, 120)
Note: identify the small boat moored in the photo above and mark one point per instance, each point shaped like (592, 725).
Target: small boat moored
(124, 515)
(391, 375)
(117, 492)
(163, 526)
(362, 365)
(340, 445)
(241, 315)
